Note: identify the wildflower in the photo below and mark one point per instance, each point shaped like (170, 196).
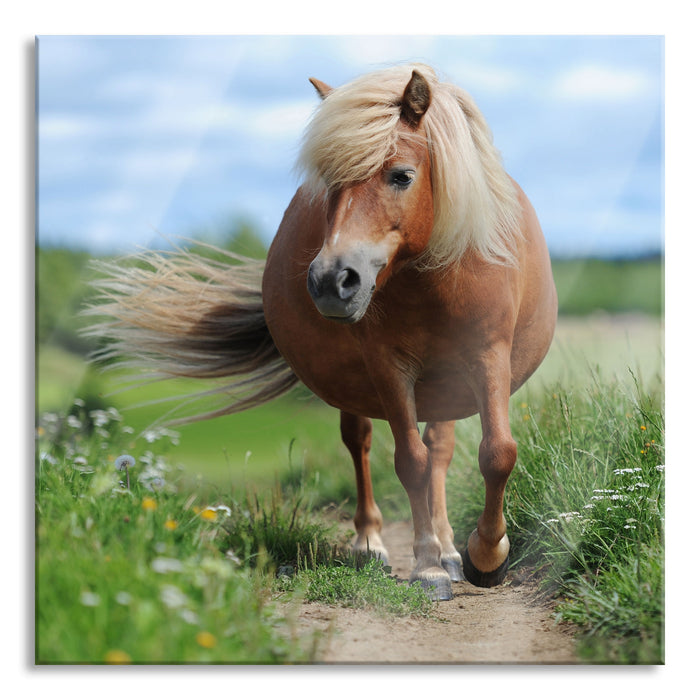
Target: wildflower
(89, 599)
(642, 427)
(74, 422)
(660, 467)
(206, 639)
(231, 556)
(155, 483)
(165, 565)
(170, 524)
(189, 616)
(117, 656)
(225, 510)
(568, 517)
(123, 598)
(80, 464)
(122, 463)
(208, 514)
(173, 597)
(148, 504)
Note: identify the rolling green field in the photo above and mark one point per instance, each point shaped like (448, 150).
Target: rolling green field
(262, 444)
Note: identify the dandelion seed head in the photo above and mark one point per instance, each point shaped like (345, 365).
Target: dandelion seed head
(124, 462)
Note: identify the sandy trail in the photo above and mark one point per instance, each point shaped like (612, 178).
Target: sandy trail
(504, 625)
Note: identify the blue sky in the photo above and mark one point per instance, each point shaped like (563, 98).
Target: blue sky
(142, 136)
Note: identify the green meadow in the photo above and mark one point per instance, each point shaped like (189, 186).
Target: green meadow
(187, 551)
(601, 326)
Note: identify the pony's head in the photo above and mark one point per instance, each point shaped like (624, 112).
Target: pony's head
(408, 172)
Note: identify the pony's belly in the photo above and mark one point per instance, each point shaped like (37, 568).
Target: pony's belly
(349, 387)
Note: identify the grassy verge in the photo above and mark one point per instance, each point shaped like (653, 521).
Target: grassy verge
(585, 508)
(134, 567)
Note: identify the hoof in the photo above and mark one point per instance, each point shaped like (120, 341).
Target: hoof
(484, 579)
(436, 586)
(453, 568)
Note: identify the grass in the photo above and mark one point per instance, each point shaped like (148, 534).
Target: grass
(134, 567)
(585, 508)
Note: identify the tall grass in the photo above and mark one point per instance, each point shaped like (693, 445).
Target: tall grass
(585, 511)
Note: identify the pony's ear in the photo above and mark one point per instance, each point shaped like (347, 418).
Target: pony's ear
(416, 99)
(322, 89)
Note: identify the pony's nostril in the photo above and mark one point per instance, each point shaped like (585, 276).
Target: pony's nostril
(347, 283)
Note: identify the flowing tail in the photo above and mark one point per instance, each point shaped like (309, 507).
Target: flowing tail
(182, 314)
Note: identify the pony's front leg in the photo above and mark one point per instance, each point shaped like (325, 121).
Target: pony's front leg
(486, 555)
(413, 467)
(356, 432)
(439, 438)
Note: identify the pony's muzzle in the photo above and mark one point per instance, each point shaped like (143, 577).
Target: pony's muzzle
(341, 289)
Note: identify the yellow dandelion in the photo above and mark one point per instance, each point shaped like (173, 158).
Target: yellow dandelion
(526, 417)
(170, 524)
(117, 656)
(196, 509)
(206, 639)
(642, 427)
(148, 504)
(208, 514)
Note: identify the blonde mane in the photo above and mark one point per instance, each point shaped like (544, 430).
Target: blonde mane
(354, 131)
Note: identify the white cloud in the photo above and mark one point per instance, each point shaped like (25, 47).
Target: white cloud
(480, 77)
(590, 82)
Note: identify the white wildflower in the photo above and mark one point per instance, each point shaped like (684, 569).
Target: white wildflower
(190, 617)
(74, 422)
(123, 598)
(173, 597)
(89, 599)
(166, 565)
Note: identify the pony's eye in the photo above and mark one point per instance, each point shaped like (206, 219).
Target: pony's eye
(401, 178)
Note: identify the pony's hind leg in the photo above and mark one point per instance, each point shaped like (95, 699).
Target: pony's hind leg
(439, 438)
(356, 432)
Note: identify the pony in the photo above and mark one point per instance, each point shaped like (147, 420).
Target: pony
(409, 281)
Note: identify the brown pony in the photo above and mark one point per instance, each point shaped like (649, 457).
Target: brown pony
(409, 281)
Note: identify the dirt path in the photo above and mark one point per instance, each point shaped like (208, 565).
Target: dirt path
(499, 625)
